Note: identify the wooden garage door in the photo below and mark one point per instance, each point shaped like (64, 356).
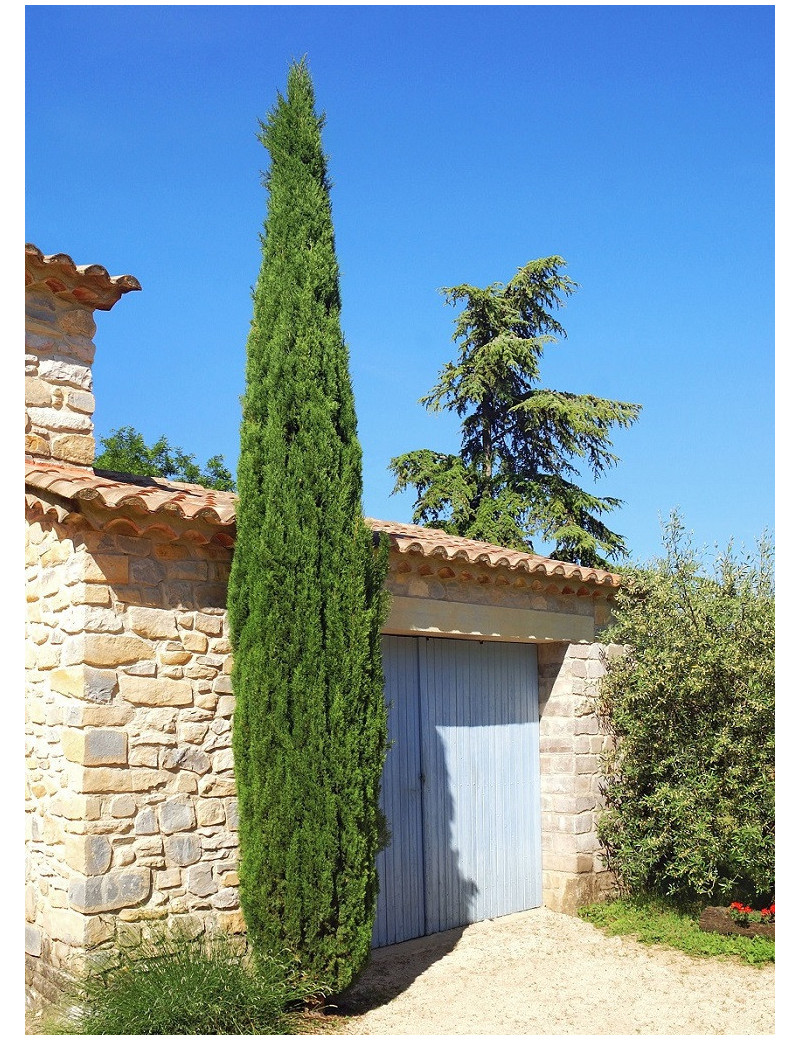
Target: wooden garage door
(460, 787)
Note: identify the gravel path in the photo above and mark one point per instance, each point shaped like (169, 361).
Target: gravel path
(547, 973)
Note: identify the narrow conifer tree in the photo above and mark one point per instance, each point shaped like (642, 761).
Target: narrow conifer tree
(306, 599)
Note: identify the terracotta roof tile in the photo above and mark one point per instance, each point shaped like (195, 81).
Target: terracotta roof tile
(153, 496)
(432, 542)
(119, 491)
(89, 284)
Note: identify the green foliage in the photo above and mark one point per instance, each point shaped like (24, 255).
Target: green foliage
(660, 922)
(171, 986)
(125, 451)
(306, 596)
(514, 478)
(690, 785)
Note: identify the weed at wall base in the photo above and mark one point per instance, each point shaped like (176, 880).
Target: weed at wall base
(168, 986)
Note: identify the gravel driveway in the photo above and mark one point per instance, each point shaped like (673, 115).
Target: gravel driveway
(547, 973)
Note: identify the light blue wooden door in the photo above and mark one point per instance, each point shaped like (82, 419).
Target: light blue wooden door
(475, 849)
(401, 902)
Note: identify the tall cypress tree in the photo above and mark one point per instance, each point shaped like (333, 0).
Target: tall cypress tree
(306, 600)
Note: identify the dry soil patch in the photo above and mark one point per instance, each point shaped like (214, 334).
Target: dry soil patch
(547, 973)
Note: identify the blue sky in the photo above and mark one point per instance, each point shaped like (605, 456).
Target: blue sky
(635, 141)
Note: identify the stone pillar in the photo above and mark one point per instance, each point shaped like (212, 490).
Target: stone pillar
(574, 871)
(60, 299)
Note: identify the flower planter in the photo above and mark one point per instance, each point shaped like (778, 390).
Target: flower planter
(718, 919)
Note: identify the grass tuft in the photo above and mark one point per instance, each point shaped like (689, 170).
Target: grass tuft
(173, 986)
(655, 921)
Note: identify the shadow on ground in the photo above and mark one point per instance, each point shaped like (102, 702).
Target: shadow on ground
(391, 970)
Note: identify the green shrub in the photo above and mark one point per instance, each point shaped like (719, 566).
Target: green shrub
(166, 986)
(690, 784)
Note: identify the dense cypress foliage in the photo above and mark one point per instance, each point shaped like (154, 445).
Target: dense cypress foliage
(306, 600)
(690, 784)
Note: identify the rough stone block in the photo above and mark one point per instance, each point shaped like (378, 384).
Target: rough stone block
(146, 668)
(106, 651)
(62, 419)
(210, 812)
(222, 761)
(68, 681)
(177, 814)
(216, 787)
(183, 849)
(145, 572)
(99, 780)
(152, 623)
(90, 619)
(196, 642)
(36, 445)
(231, 923)
(100, 569)
(210, 624)
(59, 370)
(33, 940)
(225, 899)
(73, 447)
(124, 856)
(192, 732)
(96, 747)
(201, 881)
(72, 806)
(191, 758)
(188, 570)
(144, 755)
(123, 806)
(225, 706)
(182, 783)
(80, 715)
(38, 393)
(90, 595)
(222, 685)
(80, 401)
(170, 877)
(145, 690)
(174, 657)
(89, 854)
(146, 822)
(123, 888)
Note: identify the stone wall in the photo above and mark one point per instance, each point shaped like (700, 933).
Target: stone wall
(131, 802)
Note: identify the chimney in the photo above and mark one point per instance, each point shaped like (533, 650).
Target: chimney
(60, 300)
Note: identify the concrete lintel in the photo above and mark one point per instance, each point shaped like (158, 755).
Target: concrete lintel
(429, 617)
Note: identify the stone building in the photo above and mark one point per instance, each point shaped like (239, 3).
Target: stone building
(130, 798)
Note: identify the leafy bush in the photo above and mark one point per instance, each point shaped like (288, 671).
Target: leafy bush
(690, 784)
(174, 986)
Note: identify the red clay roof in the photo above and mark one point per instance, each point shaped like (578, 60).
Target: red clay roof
(118, 491)
(149, 495)
(431, 542)
(89, 284)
